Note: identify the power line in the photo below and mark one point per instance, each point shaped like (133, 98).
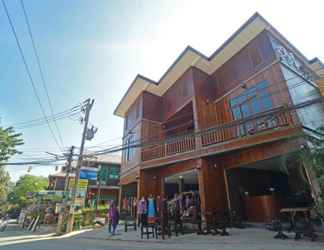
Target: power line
(41, 70)
(75, 109)
(28, 72)
(156, 141)
(43, 122)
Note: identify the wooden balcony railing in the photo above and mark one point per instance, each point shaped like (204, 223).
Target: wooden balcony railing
(221, 133)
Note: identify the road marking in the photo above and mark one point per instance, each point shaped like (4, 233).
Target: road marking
(31, 238)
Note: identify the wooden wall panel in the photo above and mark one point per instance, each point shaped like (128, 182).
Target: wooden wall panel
(178, 95)
(258, 153)
(151, 131)
(252, 58)
(320, 83)
(152, 107)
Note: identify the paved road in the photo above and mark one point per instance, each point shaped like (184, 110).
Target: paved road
(251, 239)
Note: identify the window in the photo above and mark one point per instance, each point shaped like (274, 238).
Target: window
(126, 122)
(255, 99)
(137, 109)
(130, 149)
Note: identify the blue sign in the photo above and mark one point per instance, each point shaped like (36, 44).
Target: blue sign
(89, 174)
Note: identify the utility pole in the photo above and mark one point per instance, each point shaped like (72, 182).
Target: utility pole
(99, 190)
(87, 108)
(67, 175)
(65, 195)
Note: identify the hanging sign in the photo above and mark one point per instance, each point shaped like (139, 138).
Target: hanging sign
(88, 173)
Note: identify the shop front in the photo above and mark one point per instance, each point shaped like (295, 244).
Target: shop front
(195, 182)
(259, 190)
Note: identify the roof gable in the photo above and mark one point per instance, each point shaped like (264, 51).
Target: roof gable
(192, 57)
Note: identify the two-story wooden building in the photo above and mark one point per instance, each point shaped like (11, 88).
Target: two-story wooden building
(224, 125)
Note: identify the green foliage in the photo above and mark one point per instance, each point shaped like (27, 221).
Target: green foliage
(313, 157)
(27, 184)
(4, 185)
(9, 140)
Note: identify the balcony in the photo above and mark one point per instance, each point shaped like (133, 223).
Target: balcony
(240, 131)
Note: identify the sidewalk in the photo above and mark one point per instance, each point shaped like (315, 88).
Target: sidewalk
(247, 236)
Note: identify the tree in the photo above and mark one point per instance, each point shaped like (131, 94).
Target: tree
(9, 140)
(312, 156)
(4, 185)
(25, 186)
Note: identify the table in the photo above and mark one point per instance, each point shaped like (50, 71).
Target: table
(292, 213)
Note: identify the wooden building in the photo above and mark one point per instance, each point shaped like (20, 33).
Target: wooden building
(224, 125)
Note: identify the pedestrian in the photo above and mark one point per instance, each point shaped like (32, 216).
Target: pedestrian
(113, 218)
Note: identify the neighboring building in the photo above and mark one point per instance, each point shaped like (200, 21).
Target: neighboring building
(108, 173)
(224, 125)
(56, 181)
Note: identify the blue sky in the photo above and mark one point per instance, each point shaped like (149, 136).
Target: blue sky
(96, 48)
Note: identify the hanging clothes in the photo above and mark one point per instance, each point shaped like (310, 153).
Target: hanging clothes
(142, 211)
(151, 210)
(142, 206)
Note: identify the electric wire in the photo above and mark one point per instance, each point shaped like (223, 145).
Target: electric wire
(41, 70)
(29, 72)
(155, 140)
(39, 121)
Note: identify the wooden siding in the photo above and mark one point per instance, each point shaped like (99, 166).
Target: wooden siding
(178, 95)
(255, 56)
(152, 107)
(320, 83)
(254, 154)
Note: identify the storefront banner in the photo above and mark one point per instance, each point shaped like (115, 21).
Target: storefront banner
(88, 173)
(82, 185)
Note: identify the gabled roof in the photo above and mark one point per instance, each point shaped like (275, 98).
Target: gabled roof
(191, 57)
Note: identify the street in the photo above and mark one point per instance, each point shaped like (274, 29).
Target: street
(250, 238)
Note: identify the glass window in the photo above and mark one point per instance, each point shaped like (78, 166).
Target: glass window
(130, 149)
(255, 99)
(245, 109)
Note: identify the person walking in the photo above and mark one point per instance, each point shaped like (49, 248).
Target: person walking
(113, 218)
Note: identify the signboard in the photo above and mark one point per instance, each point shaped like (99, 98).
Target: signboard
(82, 185)
(88, 173)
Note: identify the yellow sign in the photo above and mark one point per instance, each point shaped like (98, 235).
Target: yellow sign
(83, 184)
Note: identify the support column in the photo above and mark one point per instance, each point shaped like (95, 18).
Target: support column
(211, 187)
(228, 198)
(119, 202)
